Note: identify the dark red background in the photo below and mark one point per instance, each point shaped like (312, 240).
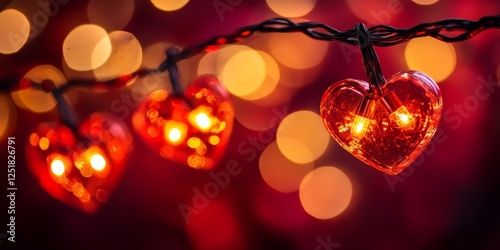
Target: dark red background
(451, 201)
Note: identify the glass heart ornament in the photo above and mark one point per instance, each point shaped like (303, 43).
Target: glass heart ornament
(80, 168)
(193, 128)
(387, 130)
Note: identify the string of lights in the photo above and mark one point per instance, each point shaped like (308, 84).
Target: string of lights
(449, 30)
(193, 126)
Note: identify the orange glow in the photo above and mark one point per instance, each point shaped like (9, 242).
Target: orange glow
(425, 2)
(360, 126)
(302, 137)
(244, 72)
(169, 5)
(280, 173)
(297, 51)
(213, 140)
(92, 161)
(86, 47)
(59, 165)
(196, 161)
(200, 118)
(125, 56)
(270, 81)
(14, 31)
(325, 192)
(175, 132)
(403, 118)
(291, 8)
(431, 56)
(44, 143)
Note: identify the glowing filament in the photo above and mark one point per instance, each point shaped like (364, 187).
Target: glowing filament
(175, 132)
(203, 121)
(360, 126)
(97, 162)
(57, 167)
(403, 118)
(94, 157)
(201, 118)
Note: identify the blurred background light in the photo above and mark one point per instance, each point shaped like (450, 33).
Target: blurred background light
(169, 5)
(291, 8)
(86, 47)
(279, 172)
(302, 137)
(14, 31)
(431, 56)
(425, 2)
(244, 73)
(38, 100)
(325, 192)
(125, 57)
(296, 50)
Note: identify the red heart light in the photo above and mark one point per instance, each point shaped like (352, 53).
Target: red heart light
(387, 132)
(193, 129)
(80, 169)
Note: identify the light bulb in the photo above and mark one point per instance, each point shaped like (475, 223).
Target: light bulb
(403, 118)
(97, 162)
(398, 112)
(175, 132)
(360, 126)
(200, 117)
(57, 167)
(362, 118)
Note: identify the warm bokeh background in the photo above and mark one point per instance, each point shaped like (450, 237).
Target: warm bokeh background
(296, 189)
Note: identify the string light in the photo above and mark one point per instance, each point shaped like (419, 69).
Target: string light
(196, 128)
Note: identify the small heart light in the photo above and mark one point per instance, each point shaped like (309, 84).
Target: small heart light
(385, 124)
(192, 129)
(387, 132)
(81, 168)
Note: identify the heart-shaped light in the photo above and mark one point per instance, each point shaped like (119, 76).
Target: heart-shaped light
(80, 169)
(193, 129)
(387, 132)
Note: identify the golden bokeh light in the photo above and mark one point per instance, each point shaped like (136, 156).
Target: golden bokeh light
(99, 11)
(270, 81)
(280, 173)
(291, 8)
(169, 5)
(244, 72)
(38, 100)
(325, 192)
(8, 116)
(86, 47)
(431, 56)
(214, 62)
(302, 137)
(297, 51)
(14, 31)
(425, 2)
(125, 58)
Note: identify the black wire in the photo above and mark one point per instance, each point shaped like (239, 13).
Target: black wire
(380, 35)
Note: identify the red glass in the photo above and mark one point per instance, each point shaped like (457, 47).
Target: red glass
(82, 169)
(193, 129)
(385, 143)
